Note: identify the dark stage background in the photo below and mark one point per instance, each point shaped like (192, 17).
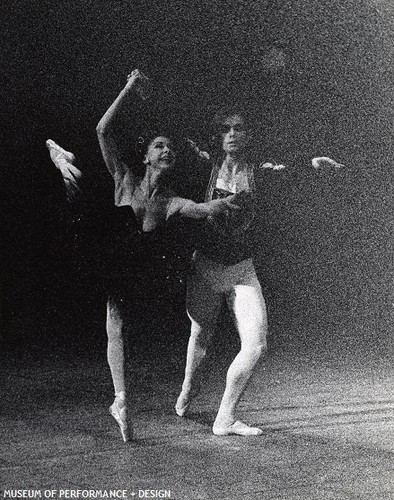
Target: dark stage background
(319, 78)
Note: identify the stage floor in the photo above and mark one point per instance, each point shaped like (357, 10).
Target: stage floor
(328, 421)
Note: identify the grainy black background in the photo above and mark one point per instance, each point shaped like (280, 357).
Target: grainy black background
(329, 276)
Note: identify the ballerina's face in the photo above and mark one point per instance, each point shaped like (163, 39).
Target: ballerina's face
(160, 153)
(234, 135)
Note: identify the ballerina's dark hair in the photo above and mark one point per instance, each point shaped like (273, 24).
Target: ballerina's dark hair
(143, 141)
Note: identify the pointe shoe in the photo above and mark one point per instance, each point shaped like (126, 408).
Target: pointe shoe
(237, 428)
(325, 162)
(58, 153)
(118, 410)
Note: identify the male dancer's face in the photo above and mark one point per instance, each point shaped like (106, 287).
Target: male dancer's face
(234, 134)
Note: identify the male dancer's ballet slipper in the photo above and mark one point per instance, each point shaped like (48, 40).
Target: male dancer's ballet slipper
(181, 410)
(237, 428)
(119, 411)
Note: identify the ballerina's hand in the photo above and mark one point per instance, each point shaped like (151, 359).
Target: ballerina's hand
(272, 166)
(223, 206)
(141, 82)
(193, 146)
(325, 162)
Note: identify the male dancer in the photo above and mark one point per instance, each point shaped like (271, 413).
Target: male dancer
(223, 268)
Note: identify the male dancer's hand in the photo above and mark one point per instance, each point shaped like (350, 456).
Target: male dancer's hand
(325, 162)
(272, 166)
